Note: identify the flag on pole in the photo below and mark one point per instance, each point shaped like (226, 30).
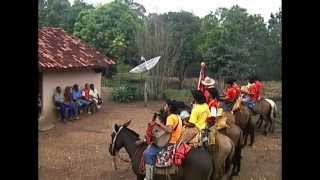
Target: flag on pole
(202, 75)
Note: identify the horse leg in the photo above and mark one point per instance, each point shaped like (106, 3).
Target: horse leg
(245, 136)
(140, 177)
(266, 126)
(251, 132)
(259, 122)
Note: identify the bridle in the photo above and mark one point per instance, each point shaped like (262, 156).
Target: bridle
(115, 138)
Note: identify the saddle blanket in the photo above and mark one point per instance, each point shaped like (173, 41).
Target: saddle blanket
(165, 157)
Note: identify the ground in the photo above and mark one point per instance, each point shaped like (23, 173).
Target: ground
(78, 150)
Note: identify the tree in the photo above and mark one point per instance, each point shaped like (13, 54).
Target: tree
(111, 28)
(233, 42)
(55, 13)
(184, 27)
(76, 8)
(155, 40)
(275, 32)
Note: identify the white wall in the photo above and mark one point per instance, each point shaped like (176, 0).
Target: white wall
(51, 80)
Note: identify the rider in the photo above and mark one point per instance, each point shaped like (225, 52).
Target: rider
(198, 118)
(252, 94)
(230, 95)
(213, 105)
(259, 86)
(237, 87)
(208, 84)
(174, 127)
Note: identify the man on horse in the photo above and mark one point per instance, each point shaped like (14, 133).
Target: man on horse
(174, 127)
(198, 118)
(259, 86)
(208, 84)
(252, 94)
(213, 105)
(230, 95)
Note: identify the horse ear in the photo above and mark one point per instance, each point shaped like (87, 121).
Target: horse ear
(116, 127)
(126, 124)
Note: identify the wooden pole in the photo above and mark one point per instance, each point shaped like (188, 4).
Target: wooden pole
(145, 93)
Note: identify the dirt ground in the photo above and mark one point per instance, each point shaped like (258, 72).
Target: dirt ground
(78, 150)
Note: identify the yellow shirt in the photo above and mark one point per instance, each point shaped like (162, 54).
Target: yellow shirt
(199, 115)
(173, 120)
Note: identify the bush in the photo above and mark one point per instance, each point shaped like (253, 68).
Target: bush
(179, 95)
(125, 94)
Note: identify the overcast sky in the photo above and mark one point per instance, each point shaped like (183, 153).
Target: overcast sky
(203, 7)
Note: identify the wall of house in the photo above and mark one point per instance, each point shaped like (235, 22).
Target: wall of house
(50, 80)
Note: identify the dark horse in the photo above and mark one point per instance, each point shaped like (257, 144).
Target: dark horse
(197, 165)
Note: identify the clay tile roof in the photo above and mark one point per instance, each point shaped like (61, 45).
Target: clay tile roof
(59, 50)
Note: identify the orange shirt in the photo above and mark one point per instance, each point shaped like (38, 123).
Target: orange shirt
(174, 121)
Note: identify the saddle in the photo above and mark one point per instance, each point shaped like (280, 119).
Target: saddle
(170, 158)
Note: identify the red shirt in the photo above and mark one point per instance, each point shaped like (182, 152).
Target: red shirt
(259, 86)
(254, 92)
(206, 95)
(237, 87)
(85, 94)
(213, 103)
(231, 94)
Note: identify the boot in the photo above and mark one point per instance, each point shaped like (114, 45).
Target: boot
(149, 172)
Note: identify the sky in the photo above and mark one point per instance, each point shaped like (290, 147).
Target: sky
(203, 7)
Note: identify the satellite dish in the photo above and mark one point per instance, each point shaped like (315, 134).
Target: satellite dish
(146, 66)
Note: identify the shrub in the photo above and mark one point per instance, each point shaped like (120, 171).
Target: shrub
(179, 95)
(125, 93)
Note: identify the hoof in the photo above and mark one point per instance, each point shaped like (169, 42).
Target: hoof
(251, 144)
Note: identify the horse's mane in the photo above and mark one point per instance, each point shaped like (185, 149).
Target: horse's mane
(132, 132)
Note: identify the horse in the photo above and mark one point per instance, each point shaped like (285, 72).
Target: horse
(197, 164)
(267, 111)
(233, 132)
(243, 119)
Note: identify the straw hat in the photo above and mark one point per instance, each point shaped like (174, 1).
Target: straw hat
(208, 81)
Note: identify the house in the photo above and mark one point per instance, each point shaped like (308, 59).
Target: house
(63, 61)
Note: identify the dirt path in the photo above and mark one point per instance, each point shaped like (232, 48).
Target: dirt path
(78, 150)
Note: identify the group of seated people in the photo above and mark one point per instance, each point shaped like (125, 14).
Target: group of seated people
(73, 100)
(183, 126)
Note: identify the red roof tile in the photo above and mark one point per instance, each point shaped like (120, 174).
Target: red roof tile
(60, 51)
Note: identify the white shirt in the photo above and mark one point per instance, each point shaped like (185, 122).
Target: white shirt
(213, 111)
(94, 93)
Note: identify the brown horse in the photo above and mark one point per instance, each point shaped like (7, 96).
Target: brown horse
(197, 165)
(226, 153)
(243, 119)
(267, 111)
(235, 133)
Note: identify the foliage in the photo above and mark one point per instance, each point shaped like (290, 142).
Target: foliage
(125, 94)
(233, 43)
(111, 28)
(178, 94)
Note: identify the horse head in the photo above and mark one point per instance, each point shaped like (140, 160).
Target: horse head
(117, 142)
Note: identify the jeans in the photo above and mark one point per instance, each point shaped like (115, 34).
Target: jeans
(82, 104)
(227, 106)
(251, 104)
(150, 154)
(63, 108)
